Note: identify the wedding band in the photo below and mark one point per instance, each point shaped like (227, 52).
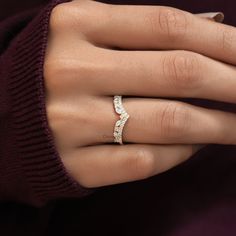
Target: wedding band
(124, 116)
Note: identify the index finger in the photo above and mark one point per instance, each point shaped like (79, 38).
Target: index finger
(158, 27)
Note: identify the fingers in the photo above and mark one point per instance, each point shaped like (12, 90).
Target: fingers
(112, 164)
(159, 121)
(165, 74)
(158, 27)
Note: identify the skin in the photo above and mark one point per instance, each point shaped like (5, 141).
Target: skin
(145, 53)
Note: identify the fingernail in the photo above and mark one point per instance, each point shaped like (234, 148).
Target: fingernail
(216, 16)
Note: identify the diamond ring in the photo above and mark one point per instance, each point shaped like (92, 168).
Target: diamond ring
(124, 116)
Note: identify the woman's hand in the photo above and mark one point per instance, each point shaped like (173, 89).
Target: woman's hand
(84, 68)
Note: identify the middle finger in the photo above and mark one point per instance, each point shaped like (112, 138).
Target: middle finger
(164, 74)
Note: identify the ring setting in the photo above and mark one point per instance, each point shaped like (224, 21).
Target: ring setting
(124, 116)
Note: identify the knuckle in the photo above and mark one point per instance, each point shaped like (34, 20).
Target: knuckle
(81, 17)
(60, 74)
(174, 121)
(170, 22)
(59, 115)
(64, 73)
(69, 16)
(55, 118)
(54, 72)
(142, 164)
(51, 68)
(60, 16)
(182, 69)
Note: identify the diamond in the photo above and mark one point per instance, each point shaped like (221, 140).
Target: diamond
(121, 122)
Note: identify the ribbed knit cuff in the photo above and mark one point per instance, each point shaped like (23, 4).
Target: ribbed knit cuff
(40, 161)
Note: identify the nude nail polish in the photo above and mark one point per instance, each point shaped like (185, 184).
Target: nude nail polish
(216, 16)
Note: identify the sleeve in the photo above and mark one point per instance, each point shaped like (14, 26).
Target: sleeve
(31, 171)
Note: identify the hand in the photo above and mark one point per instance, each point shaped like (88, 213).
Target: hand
(84, 68)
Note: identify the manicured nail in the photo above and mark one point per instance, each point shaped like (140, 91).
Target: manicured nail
(216, 16)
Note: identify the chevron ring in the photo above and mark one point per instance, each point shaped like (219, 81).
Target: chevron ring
(124, 116)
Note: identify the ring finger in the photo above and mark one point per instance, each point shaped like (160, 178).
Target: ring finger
(159, 121)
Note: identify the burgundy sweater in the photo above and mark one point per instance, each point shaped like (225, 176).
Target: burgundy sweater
(196, 198)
